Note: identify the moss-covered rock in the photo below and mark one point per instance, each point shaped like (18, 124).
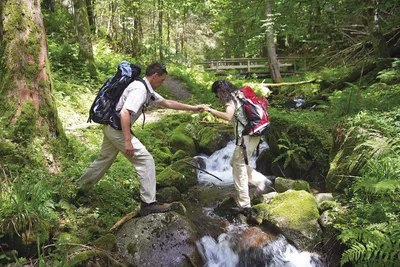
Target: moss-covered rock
(282, 185)
(169, 194)
(97, 257)
(180, 141)
(172, 178)
(225, 207)
(106, 242)
(180, 154)
(185, 166)
(296, 214)
(214, 138)
(162, 156)
(326, 205)
(179, 175)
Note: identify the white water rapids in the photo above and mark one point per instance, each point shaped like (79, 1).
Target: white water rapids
(227, 249)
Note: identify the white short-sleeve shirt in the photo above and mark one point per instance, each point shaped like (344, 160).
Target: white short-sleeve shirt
(135, 96)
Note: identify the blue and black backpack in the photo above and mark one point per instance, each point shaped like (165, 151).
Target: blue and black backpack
(103, 108)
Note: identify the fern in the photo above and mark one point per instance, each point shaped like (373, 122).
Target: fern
(371, 244)
(291, 152)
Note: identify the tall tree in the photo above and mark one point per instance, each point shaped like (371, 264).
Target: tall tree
(160, 29)
(27, 105)
(49, 4)
(84, 38)
(272, 57)
(90, 11)
(381, 49)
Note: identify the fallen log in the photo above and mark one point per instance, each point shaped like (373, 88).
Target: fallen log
(290, 83)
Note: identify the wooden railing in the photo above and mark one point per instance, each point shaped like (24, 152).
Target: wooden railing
(248, 65)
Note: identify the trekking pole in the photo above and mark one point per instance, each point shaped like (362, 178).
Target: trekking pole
(200, 169)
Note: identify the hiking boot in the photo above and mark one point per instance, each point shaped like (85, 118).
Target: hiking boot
(244, 211)
(154, 207)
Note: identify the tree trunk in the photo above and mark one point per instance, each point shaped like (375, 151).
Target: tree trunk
(272, 57)
(50, 5)
(136, 31)
(381, 50)
(27, 105)
(90, 11)
(160, 29)
(84, 39)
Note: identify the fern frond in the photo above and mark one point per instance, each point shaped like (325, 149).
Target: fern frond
(354, 254)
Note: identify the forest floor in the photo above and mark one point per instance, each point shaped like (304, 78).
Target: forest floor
(179, 93)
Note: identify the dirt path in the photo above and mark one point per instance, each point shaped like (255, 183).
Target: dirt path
(176, 88)
(179, 91)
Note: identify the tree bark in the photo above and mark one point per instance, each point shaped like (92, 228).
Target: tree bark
(50, 5)
(272, 57)
(26, 97)
(90, 11)
(83, 33)
(381, 50)
(160, 29)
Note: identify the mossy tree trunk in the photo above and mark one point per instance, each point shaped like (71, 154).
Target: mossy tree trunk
(28, 110)
(83, 33)
(272, 57)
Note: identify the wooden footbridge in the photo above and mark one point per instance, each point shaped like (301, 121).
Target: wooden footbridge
(249, 66)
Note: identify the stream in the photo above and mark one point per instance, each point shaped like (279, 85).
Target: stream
(227, 242)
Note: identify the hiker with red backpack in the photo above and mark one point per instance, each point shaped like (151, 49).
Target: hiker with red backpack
(118, 137)
(249, 116)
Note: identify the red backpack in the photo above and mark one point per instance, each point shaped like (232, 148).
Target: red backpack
(256, 112)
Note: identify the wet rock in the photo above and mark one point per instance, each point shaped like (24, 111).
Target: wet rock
(161, 239)
(214, 138)
(169, 194)
(295, 214)
(282, 185)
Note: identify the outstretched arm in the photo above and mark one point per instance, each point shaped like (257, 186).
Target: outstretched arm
(227, 115)
(180, 106)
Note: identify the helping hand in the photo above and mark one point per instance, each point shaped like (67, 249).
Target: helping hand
(201, 108)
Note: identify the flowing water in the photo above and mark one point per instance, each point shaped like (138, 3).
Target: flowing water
(236, 244)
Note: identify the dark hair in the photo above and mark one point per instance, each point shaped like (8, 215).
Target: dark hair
(225, 88)
(156, 67)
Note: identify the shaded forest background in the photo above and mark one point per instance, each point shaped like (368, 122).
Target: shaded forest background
(56, 54)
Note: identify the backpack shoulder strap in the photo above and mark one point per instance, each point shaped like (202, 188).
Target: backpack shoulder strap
(145, 104)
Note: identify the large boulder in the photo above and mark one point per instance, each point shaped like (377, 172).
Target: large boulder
(296, 214)
(162, 239)
(214, 138)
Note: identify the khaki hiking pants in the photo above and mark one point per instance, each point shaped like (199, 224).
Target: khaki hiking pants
(142, 161)
(243, 174)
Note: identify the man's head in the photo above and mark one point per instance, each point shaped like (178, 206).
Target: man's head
(156, 74)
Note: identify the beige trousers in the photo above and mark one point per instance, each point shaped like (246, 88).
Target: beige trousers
(142, 161)
(244, 174)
